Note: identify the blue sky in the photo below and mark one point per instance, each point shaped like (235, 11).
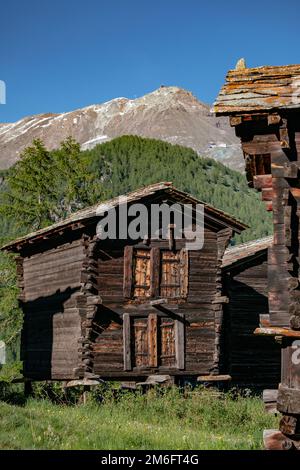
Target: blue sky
(59, 55)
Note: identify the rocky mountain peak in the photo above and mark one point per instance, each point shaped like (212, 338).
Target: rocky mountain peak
(169, 113)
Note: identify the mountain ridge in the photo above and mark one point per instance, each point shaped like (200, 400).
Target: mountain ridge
(169, 113)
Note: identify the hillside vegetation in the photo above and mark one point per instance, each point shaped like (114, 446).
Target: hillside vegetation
(44, 187)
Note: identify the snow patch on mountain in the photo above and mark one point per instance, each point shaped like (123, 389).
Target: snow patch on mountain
(168, 113)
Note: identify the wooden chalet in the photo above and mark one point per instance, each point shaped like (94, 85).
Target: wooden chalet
(251, 361)
(122, 309)
(263, 104)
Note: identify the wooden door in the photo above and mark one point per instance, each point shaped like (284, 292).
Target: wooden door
(139, 342)
(153, 342)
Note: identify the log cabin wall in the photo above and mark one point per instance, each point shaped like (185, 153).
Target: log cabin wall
(266, 153)
(52, 326)
(253, 361)
(121, 308)
(264, 106)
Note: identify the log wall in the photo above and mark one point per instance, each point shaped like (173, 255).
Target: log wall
(198, 309)
(51, 282)
(253, 361)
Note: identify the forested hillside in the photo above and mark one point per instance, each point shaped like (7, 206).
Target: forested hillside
(44, 187)
(134, 161)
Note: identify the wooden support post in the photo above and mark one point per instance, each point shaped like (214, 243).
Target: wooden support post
(28, 389)
(275, 440)
(86, 389)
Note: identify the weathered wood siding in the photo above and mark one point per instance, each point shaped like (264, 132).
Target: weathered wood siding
(197, 309)
(251, 360)
(51, 281)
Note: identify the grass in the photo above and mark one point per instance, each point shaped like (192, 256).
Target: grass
(199, 419)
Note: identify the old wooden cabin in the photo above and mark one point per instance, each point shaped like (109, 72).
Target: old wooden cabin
(263, 104)
(122, 309)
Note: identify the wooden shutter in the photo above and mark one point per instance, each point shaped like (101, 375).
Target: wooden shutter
(155, 271)
(141, 277)
(127, 342)
(167, 342)
(128, 266)
(179, 343)
(140, 342)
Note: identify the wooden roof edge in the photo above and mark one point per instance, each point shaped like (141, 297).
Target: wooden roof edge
(239, 253)
(93, 211)
(246, 90)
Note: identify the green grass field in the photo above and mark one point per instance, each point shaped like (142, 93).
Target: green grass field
(198, 420)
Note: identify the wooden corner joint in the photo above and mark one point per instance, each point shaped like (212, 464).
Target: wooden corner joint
(276, 440)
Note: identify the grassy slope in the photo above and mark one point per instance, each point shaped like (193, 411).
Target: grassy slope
(196, 421)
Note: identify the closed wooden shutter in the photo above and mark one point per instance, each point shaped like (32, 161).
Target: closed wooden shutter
(174, 274)
(140, 342)
(153, 341)
(141, 273)
(167, 355)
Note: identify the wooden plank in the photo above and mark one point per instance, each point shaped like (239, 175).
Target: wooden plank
(275, 440)
(127, 282)
(288, 425)
(270, 395)
(262, 181)
(288, 400)
(152, 339)
(127, 342)
(184, 273)
(214, 378)
(180, 343)
(277, 331)
(155, 271)
(287, 225)
(266, 194)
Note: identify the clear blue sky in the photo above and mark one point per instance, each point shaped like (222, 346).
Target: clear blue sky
(58, 55)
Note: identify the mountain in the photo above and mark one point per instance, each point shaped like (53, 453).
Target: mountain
(169, 113)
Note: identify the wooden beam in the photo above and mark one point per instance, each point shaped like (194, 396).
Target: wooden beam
(221, 299)
(262, 181)
(214, 378)
(270, 400)
(288, 425)
(267, 194)
(269, 206)
(127, 342)
(128, 274)
(235, 120)
(288, 400)
(284, 137)
(264, 320)
(180, 343)
(152, 339)
(277, 331)
(288, 170)
(155, 271)
(275, 440)
(157, 302)
(273, 119)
